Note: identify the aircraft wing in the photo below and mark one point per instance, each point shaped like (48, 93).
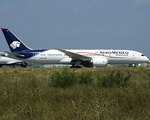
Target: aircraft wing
(6, 53)
(74, 55)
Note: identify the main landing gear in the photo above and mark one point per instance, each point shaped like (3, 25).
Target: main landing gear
(24, 64)
(75, 66)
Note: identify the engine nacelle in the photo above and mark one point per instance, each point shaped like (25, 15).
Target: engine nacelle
(100, 62)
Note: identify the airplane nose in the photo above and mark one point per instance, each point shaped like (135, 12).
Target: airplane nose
(146, 59)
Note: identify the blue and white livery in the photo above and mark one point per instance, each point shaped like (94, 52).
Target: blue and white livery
(75, 58)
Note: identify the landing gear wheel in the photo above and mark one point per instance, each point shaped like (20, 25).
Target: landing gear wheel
(75, 66)
(24, 65)
(78, 66)
(71, 67)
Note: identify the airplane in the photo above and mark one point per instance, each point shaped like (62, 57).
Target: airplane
(75, 58)
(10, 61)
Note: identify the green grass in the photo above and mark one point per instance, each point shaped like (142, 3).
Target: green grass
(67, 78)
(26, 94)
(114, 80)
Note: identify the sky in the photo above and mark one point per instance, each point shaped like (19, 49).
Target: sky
(78, 24)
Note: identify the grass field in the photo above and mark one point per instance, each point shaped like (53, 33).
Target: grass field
(25, 94)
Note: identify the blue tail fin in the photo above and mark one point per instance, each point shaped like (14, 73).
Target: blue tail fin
(13, 41)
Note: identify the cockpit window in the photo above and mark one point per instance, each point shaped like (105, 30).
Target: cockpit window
(142, 55)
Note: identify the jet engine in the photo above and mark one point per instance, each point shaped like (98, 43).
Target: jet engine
(99, 62)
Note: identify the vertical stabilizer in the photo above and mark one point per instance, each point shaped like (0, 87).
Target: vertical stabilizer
(14, 43)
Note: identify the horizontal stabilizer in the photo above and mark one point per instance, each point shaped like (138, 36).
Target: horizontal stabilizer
(12, 54)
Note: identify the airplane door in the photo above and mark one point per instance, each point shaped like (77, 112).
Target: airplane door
(36, 56)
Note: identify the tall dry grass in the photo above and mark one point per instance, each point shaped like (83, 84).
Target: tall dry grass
(25, 94)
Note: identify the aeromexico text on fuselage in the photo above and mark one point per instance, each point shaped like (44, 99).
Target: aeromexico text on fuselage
(31, 53)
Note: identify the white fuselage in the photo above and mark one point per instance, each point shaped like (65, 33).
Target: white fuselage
(113, 56)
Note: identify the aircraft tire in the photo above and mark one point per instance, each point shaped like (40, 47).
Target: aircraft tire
(75, 67)
(72, 67)
(24, 65)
